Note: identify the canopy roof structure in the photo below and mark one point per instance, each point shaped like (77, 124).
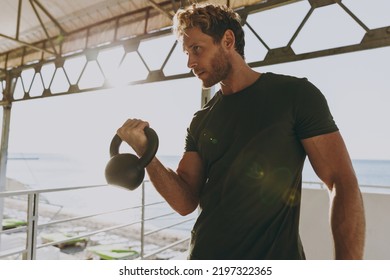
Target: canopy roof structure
(51, 47)
(36, 29)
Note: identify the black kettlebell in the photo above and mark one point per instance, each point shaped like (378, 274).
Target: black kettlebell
(127, 170)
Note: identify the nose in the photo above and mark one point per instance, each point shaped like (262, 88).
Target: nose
(191, 62)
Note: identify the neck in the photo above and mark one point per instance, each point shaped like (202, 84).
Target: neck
(238, 79)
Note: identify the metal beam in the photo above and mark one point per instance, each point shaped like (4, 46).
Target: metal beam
(352, 15)
(18, 19)
(266, 5)
(56, 23)
(43, 26)
(161, 10)
(373, 39)
(26, 44)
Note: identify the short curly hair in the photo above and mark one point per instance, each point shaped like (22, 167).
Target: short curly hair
(213, 20)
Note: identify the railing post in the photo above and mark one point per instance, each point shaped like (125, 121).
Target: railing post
(142, 219)
(206, 95)
(32, 226)
(4, 154)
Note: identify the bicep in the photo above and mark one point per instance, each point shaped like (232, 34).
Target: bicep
(191, 171)
(329, 158)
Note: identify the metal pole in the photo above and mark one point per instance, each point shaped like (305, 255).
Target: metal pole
(32, 227)
(4, 155)
(142, 220)
(207, 93)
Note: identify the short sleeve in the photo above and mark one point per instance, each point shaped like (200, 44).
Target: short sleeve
(190, 145)
(313, 116)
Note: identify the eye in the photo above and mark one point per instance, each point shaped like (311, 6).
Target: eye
(195, 49)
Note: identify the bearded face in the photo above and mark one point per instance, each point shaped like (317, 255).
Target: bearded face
(208, 60)
(218, 69)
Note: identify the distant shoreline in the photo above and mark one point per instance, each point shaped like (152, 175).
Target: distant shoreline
(24, 158)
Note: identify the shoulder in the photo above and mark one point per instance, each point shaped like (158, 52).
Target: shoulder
(285, 81)
(300, 89)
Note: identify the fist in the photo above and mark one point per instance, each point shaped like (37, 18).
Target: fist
(132, 132)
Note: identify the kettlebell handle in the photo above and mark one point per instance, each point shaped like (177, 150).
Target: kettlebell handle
(151, 149)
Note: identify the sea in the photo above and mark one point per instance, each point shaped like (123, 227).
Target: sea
(40, 170)
(53, 171)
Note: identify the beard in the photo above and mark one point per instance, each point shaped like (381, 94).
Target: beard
(220, 69)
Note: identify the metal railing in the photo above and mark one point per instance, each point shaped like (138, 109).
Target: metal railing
(143, 234)
(33, 227)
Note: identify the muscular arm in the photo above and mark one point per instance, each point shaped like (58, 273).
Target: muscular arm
(330, 160)
(181, 188)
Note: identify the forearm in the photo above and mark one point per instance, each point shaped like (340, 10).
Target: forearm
(172, 187)
(347, 222)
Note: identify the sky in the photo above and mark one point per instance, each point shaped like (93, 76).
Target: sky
(355, 85)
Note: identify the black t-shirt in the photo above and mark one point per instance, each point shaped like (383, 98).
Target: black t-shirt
(250, 145)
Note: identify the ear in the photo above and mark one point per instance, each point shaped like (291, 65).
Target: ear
(228, 39)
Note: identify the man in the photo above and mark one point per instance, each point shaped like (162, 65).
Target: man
(245, 152)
